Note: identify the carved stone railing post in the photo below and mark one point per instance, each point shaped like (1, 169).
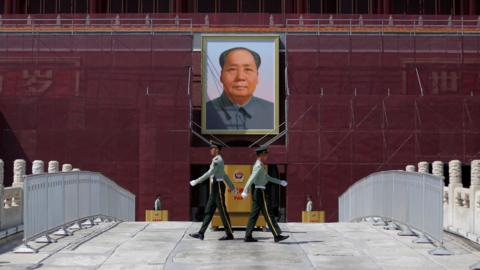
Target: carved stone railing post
(455, 181)
(19, 170)
(475, 172)
(38, 167)
(410, 168)
(423, 167)
(437, 168)
(455, 171)
(53, 166)
(66, 167)
(474, 196)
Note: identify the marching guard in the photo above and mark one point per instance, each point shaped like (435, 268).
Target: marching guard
(260, 178)
(218, 178)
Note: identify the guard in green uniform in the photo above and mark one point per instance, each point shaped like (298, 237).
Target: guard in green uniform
(260, 178)
(217, 176)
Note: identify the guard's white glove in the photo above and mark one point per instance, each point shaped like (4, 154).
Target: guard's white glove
(193, 183)
(244, 195)
(284, 183)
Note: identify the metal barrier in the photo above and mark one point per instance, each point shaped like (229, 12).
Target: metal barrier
(55, 200)
(413, 199)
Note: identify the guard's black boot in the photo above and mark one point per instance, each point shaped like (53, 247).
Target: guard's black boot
(249, 239)
(197, 235)
(229, 236)
(280, 238)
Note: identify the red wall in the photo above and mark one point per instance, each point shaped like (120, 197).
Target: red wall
(114, 104)
(119, 104)
(371, 114)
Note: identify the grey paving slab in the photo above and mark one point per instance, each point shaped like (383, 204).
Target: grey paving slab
(166, 245)
(73, 259)
(136, 266)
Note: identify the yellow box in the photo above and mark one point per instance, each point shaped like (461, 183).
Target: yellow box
(156, 215)
(313, 216)
(237, 207)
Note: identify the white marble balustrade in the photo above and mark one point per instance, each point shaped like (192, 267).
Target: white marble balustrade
(461, 205)
(11, 207)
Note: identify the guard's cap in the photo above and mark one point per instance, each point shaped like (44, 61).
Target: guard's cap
(214, 144)
(261, 149)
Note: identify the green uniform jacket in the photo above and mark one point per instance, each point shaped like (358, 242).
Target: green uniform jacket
(259, 177)
(218, 171)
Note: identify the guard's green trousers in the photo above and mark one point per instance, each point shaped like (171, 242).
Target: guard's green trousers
(216, 200)
(260, 204)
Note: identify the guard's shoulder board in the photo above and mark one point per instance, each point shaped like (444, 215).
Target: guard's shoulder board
(217, 159)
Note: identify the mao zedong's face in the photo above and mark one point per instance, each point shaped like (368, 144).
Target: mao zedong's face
(239, 76)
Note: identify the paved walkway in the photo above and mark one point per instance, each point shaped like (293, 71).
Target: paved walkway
(166, 245)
